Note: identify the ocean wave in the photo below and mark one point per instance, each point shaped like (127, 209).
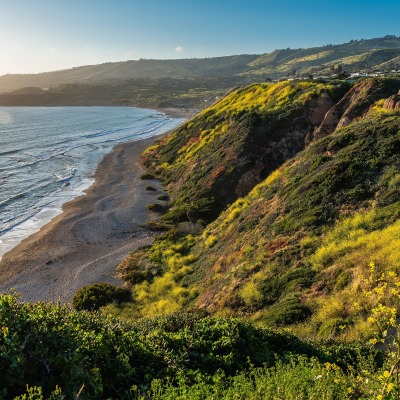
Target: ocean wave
(71, 172)
(40, 190)
(116, 130)
(57, 153)
(12, 222)
(9, 152)
(103, 133)
(139, 134)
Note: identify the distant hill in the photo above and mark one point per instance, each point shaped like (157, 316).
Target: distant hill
(120, 71)
(357, 54)
(192, 83)
(195, 93)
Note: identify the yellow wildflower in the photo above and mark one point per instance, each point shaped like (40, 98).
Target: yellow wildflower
(390, 387)
(386, 374)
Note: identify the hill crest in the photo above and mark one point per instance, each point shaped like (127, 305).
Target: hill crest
(355, 55)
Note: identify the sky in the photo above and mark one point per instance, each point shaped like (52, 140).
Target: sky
(47, 35)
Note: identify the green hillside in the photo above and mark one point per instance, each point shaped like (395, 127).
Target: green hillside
(248, 133)
(151, 93)
(302, 220)
(188, 82)
(372, 54)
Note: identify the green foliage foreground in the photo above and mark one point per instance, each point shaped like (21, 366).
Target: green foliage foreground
(94, 296)
(52, 350)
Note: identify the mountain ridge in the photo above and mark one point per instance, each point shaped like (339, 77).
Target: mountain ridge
(354, 55)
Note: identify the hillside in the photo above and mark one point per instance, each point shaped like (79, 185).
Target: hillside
(188, 82)
(372, 54)
(115, 72)
(298, 184)
(151, 93)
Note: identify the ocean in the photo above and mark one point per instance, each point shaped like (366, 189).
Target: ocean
(48, 156)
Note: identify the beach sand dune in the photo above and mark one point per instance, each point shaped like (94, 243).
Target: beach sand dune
(94, 233)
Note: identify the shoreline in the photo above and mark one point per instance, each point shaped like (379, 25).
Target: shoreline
(178, 112)
(95, 231)
(32, 225)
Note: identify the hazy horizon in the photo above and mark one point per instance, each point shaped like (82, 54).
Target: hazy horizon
(44, 36)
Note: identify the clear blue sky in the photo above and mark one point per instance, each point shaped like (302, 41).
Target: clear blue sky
(44, 35)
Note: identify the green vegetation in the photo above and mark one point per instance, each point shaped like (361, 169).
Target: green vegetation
(51, 345)
(147, 176)
(53, 352)
(150, 188)
(158, 207)
(156, 276)
(295, 248)
(94, 296)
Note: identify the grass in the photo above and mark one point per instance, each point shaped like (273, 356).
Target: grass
(293, 249)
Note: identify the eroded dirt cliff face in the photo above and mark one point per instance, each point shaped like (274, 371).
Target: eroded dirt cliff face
(279, 144)
(393, 102)
(356, 104)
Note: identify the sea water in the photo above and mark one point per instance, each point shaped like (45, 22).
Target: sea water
(48, 156)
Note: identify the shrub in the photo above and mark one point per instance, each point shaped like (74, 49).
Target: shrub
(163, 197)
(97, 295)
(151, 188)
(63, 352)
(288, 311)
(156, 207)
(146, 175)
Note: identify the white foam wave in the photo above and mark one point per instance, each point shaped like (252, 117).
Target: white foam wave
(43, 216)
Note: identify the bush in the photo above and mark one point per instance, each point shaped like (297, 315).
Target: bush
(59, 349)
(151, 188)
(146, 175)
(156, 207)
(289, 311)
(94, 296)
(163, 197)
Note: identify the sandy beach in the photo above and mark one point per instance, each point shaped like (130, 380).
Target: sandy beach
(85, 243)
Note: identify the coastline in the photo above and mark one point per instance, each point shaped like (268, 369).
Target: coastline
(94, 232)
(178, 112)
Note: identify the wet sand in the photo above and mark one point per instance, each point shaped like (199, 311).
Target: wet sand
(85, 243)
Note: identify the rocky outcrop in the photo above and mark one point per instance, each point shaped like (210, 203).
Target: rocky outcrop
(319, 108)
(356, 103)
(393, 102)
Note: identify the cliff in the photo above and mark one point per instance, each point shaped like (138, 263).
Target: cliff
(294, 218)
